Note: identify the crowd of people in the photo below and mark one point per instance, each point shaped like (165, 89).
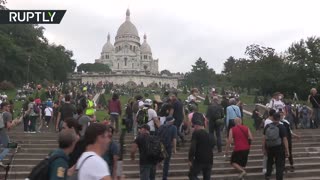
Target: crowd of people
(159, 125)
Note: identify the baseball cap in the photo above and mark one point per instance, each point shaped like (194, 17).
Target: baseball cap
(148, 102)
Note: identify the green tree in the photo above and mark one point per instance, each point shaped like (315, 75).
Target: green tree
(23, 46)
(95, 67)
(229, 65)
(165, 71)
(200, 75)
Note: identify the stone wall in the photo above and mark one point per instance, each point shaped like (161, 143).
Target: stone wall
(125, 78)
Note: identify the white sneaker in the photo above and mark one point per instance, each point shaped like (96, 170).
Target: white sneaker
(264, 171)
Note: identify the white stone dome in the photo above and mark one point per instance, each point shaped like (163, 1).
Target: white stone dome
(145, 47)
(108, 47)
(127, 28)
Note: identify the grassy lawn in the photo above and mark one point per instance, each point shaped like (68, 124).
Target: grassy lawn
(247, 99)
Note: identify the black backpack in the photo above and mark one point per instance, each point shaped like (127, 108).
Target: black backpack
(163, 135)
(41, 170)
(156, 151)
(197, 117)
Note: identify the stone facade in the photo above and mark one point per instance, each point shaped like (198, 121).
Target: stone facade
(130, 61)
(126, 79)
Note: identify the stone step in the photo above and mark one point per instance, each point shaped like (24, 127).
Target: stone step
(251, 157)
(252, 151)
(221, 163)
(311, 174)
(226, 170)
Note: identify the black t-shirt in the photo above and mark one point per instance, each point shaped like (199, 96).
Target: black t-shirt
(315, 100)
(282, 131)
(141, 141)
(67, 110)
(178, 112)
(201, 147)
(164, 108)
(286, 124)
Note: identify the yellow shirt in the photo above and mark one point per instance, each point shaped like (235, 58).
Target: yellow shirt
(90, 110)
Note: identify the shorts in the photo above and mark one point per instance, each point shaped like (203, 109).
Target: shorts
(240, 157)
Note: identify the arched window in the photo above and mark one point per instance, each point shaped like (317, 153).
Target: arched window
(107, 56)
(132, 65)
(125, 61)
(118, 66)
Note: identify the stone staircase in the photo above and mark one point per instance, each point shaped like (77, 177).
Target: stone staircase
(306, 152)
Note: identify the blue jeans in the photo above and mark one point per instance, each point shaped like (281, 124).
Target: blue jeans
(4, 138)
(305, 122)
(115, 121)
(147, 172)
(166, 164)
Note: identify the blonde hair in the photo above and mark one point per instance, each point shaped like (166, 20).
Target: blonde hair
(237, 121)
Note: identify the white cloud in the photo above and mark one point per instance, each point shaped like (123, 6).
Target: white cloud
(180, 31)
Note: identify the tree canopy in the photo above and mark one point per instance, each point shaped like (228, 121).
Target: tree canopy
(95, 67)
(200, 75)
(294, 71)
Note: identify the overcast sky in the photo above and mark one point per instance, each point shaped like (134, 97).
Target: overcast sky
(180, 31)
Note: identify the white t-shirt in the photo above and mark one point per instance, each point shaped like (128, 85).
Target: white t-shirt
(192, 98)
(140, 104)
(267, 121)
(162, 120)
(151, 114)
(276, 105)
(48, 111)
(94, 168)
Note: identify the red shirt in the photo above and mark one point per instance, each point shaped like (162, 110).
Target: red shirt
(114, 106)
(240, 135)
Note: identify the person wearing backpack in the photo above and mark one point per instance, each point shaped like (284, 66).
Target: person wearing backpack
(148, 115)
(242, 138)
(137, 105)
(269, 120)
(147, 166)
(55, 166)
(214, 113)
(168, 137)
(59, 168)
(275, 146)
(34, 113)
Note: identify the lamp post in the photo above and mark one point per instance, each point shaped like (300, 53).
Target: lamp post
(29, 58)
